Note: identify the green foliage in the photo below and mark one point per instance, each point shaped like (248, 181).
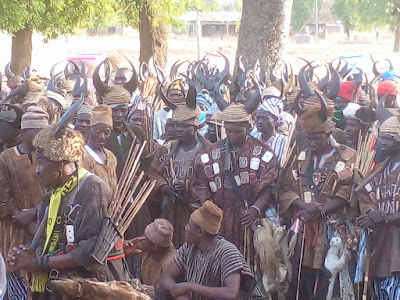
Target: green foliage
(52, 17)
(365, 15)
(164, 11)
(302, 11)
(232, 5)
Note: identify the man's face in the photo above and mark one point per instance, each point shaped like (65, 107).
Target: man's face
(184, 131)
(175, 96)
(146, 245)
(28, 135)
(122, 75)
(170, 131)
(192, 232)
(119, 114)
(265, 122)
(352, 130)
(48, 172)
(99, 135)
(236, 133)
(135, 119)
(317, 141)
(82, 123)
(389, 145)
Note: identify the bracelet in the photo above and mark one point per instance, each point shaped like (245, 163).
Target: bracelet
(257, 209)
(322, 212)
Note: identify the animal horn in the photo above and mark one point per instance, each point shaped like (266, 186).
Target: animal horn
(382, 113)
(100, 86)
(27, 71)
(251, 105)
(323, 83)
(359, 76)
(323, 112)
(132, 84)
(53, 83)
(225, 71)
(175, 68)
(333, 87)
(21, 91)
(219, 99)
(199, 73)
(18, 112)
(345, 70)
(391, 68)
(78, 87)
(53, 69)
(67, 72)
(272, 76)
(69, 115)
(7, 70)
(164, 98)
(296, 104)
(152, 68)
(191, 94)
(305, 87)
(240, 64)
(143, 71)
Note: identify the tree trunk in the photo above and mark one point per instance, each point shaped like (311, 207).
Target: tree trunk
(396, 47)
(153, 38)
(21, 49)
(264, 28)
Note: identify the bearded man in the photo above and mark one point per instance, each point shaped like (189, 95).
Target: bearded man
(20, 193)
(316, 188)
(72, 212)
(380, 208)
(172, 167)
(210, 266)
(96, 158)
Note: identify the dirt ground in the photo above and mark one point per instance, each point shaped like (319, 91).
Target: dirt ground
(185, 47)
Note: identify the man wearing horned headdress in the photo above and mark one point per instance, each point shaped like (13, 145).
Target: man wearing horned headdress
(173, 166)
(316, 190)
(71, 215)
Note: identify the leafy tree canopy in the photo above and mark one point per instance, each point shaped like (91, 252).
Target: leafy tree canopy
(52, 17)
(301, 12)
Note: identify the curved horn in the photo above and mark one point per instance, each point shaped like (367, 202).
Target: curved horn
(18, 112)
(164, 98)
(199, 73)
(21, 91)
(323, 83)
(359, 76)
(53, 83)
(143, 71)
(372, 97)
(68, 116)
(67, 72)
(219, 99)
(225, 71)
(272, 76)
(391, 68)
(239, 64)
(152, 68)
(382, 113)
(296, 105)
(305, 87)
(191, 94)
(7, 70)
(292, 81)
(78, 87)
(334, 85)
(175, 68)
(323, 112)
(251, 105)
(53, 69)
(100, 86)
(345, 70)
(132, 84)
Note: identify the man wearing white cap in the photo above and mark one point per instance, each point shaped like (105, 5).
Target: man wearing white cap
(20, 193)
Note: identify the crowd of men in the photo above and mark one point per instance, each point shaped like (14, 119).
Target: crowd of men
(265, 186)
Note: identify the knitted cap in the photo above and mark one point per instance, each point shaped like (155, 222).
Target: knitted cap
(34, 118)
(182, 113)
(101, 114)
(117, 95)
(160, 232)
(391, 126)
(346, 90)
(236, 113)
(208, 217)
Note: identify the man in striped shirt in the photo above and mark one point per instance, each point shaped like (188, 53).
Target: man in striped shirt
(210, 267)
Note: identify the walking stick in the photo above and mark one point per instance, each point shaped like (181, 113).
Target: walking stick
(301, 260)
(366, 276)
